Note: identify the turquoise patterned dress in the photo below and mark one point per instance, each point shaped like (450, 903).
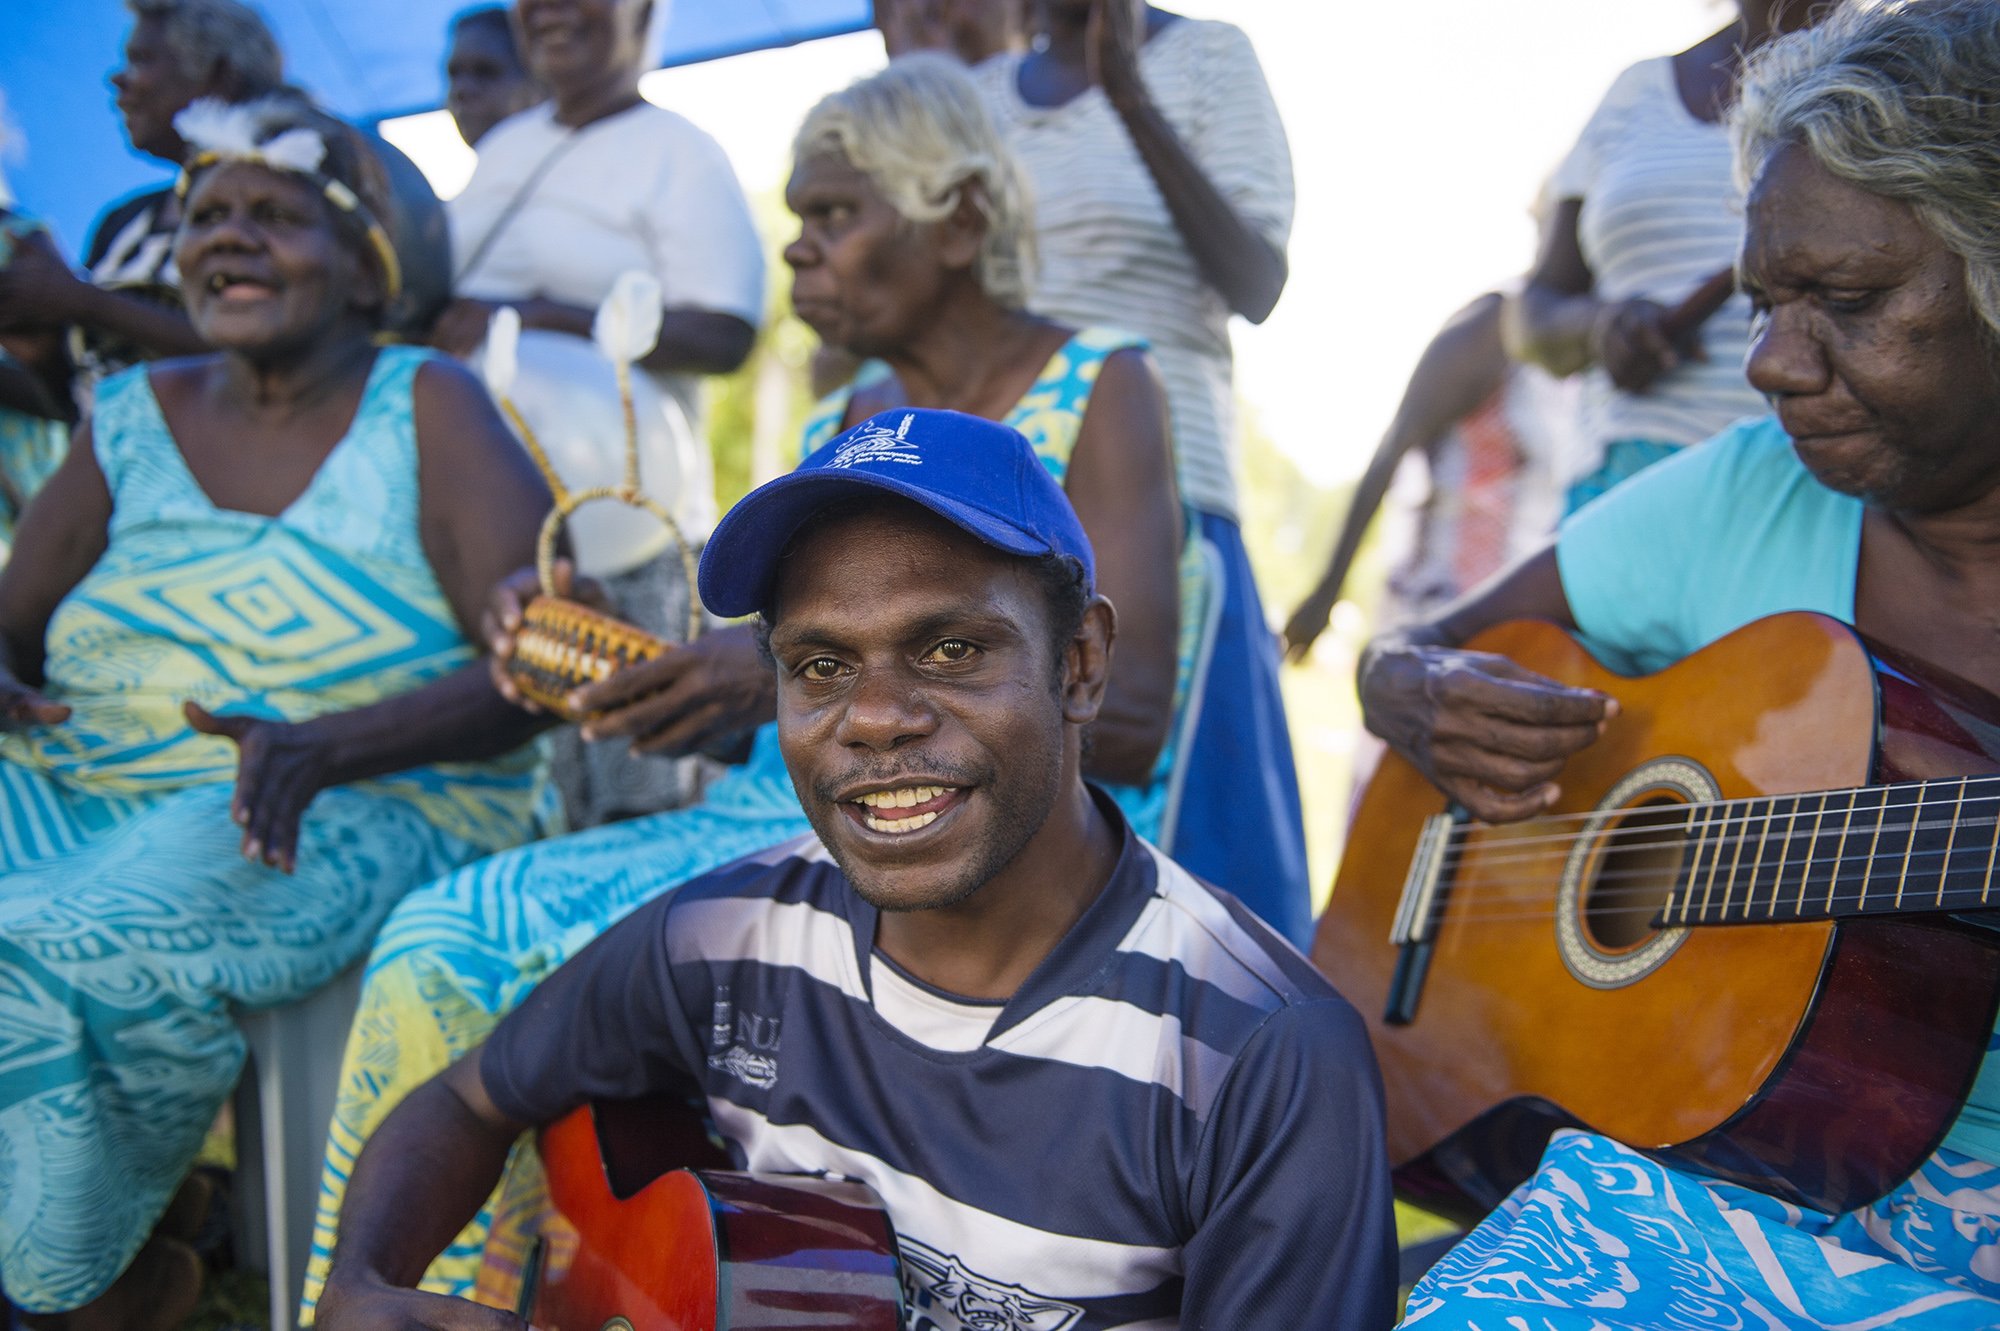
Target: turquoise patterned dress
(461, 953)
(130, 923)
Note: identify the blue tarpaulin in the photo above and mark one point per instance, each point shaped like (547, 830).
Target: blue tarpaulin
(367, 60)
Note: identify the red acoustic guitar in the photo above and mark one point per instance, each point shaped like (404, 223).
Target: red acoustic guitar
(1741, 941)
(644, 1246)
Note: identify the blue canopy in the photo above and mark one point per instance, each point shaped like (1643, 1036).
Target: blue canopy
(367, 60)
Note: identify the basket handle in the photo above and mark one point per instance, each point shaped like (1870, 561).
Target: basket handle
(568, 502)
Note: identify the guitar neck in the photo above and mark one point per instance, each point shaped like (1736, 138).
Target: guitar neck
(1908, 848)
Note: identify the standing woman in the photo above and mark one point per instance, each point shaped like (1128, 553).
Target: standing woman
(1163, 200)
(240, 713)
(1647, 210)
(568, 195)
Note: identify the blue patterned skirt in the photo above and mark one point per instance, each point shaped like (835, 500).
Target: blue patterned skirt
(1603, 1238)
(130, 930)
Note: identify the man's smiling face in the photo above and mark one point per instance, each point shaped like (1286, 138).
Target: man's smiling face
(919, 708)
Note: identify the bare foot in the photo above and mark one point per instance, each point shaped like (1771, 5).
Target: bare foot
(157, 1293)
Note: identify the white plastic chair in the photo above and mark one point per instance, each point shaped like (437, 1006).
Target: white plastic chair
(284, 1104)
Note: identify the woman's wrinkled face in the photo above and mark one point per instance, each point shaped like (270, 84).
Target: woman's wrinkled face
(863, 277)
(580, 44)
(1866, 343)
(263, 268)
(152, 90)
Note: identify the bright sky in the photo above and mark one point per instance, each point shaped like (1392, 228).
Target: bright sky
(1419, 129)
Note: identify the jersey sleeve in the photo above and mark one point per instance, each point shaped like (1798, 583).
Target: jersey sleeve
(705, 247)
(1239, 138)
(1294, 1223)
(607, 1025)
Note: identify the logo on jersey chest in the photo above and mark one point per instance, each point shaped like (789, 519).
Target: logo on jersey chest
(945, 1296)
(742, 1044)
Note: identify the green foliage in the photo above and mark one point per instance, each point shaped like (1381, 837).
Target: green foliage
(1289, 522)
(756, 414)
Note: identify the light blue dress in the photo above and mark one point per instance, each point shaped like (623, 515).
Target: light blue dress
(130, 924)
(1603, 1238)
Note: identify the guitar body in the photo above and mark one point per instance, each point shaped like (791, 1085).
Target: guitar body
(1821, 1061)
(702, 1249)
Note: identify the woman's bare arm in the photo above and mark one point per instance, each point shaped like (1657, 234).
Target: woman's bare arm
(1234, 257)
(1121, 481)
(60, 538)
(1463, 365)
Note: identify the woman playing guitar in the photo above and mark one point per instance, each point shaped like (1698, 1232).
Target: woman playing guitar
(1872, 257)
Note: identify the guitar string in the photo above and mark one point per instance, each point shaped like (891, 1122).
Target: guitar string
(1654, 819)
(1822, 904)
(1712, 848)
(1488, 889)
(1982, 786)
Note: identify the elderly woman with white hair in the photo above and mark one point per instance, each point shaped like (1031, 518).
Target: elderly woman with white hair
(1871, 150)
(913, 253)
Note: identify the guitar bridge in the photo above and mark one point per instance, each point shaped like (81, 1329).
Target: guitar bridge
(1416, 912)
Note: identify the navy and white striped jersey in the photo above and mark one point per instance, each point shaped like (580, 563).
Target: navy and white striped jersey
(1174, 1122)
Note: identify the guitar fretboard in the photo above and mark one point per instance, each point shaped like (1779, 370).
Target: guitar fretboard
(1906, 848)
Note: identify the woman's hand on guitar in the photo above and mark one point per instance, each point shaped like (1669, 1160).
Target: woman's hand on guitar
(501, 619)
(356, 1304)
(693, 698)
(1488, 733)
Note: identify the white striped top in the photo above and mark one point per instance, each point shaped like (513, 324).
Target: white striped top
(1661, 214)
(1175, 1121)
(1109, 252)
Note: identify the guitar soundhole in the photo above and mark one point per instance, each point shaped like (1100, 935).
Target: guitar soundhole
(1642, 853)
(1619, 870)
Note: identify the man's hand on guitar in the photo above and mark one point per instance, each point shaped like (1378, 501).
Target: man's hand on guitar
(1488, 733)
(353, 1303)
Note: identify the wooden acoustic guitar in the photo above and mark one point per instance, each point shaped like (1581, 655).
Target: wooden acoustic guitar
(645, 1245)
(1746, 938)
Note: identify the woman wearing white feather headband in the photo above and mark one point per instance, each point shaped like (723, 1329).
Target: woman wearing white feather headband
(240, 711)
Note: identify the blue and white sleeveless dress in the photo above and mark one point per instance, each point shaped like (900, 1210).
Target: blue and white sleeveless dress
(130, 923)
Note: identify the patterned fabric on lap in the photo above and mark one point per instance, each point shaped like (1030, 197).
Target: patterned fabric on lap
(1606, 1239)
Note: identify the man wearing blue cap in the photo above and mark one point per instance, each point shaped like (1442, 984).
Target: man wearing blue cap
(1092, 1091)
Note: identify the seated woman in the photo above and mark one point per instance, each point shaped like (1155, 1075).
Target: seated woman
(257, 564)
(911, 251)
(1872, 259)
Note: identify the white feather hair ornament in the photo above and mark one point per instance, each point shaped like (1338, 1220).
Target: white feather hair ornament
(627, 325)
(502, 357)
(228, 132)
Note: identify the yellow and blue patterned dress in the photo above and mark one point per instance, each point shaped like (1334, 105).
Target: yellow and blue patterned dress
(458, 955)
(130, 923)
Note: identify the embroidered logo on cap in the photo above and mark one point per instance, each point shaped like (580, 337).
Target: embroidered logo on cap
(875, 443)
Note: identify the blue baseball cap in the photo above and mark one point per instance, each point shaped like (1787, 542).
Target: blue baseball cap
(976, 474)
